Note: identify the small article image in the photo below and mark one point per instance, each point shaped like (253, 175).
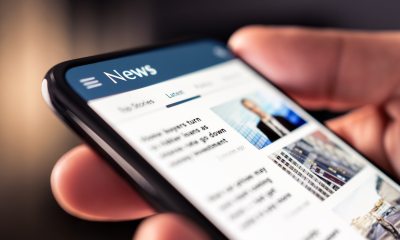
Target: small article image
(317, 163)
(259, 118)
(373, 210)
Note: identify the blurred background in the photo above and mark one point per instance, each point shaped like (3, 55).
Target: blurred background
(36, 34)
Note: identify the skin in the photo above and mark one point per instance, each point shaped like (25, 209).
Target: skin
(252, 106)
(338, 70)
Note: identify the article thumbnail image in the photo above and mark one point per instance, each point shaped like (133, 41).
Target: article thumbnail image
(261, 119)
(318, 164)
(373, 210)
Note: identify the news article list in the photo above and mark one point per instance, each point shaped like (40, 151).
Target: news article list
(249, 198)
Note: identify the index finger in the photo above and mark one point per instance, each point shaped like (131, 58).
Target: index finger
(87, 187)
(325, 68)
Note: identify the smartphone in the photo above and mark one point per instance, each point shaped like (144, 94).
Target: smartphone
(199, 132)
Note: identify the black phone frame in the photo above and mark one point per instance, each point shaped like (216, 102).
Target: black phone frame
(168, 199)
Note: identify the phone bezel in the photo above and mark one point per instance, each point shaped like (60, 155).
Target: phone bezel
(168, 198)
(64, 99)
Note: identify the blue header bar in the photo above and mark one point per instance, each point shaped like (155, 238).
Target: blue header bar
(140, 70)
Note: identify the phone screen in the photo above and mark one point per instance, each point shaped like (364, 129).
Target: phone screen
(245, 155)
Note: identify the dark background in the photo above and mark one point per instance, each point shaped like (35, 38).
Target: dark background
(34, 35)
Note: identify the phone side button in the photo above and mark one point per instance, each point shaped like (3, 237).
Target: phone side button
(46, 95)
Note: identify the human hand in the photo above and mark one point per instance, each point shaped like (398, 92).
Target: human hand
(337, 70)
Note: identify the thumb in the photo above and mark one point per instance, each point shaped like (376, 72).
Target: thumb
(169, 226)
(324, 68)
